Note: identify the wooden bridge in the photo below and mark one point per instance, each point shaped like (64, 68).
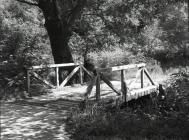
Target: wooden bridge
(99, 86)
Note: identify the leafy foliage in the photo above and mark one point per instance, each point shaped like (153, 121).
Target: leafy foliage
(122, 29)
(23, 42)
(166, 119)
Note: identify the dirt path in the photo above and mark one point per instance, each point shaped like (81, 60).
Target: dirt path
(41, 117)
(27, 121)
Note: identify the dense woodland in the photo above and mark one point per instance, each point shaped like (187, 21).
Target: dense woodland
(105, 33)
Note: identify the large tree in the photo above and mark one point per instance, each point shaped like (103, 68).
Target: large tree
(121, 17)
(59, 16)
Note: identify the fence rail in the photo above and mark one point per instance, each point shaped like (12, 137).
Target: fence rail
(96, 77)
(142, 71)
(78, 67)
(53, 66)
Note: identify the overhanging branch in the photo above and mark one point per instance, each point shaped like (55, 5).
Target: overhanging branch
(27, 2)
(76, 11)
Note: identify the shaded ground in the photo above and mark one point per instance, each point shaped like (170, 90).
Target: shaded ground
(43, 116)
(25, 120)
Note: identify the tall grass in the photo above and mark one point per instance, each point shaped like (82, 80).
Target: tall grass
(110, 58)
(163, 120)
(120, 56)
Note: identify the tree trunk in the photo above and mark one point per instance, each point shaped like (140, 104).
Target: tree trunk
(59, 42)
(59, 17)
(59, 46)
(58, 30)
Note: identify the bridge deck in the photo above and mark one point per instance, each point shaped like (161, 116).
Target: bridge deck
(76, 92)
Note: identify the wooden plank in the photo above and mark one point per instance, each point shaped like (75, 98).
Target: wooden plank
(148, 75)
(41, 79)
(54, 65)
(123, 67)
(131, 66)
(107, 70)
(109, 84)
(69, 77)
(57, 76)
(135, 94)
(144, 91)
(123, 85)
(28, 82)
(142, 78)
(81, 74)
(98, 87)
(89, 73)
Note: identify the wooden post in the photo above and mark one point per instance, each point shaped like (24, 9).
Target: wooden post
(57, 76)
(28, 82)
(98, 87)
(81, 74)
(142, 78)
(123, 85)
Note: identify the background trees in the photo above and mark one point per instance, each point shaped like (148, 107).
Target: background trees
(105, 21)
(95, 29)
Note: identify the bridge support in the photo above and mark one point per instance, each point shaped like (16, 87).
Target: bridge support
(28, 82)
(98, 87)
(123, 86)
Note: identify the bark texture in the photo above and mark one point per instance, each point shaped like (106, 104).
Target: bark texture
(60, 16)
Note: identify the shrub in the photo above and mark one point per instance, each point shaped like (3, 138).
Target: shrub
(165, 120)
(110, 58)
(23, 42)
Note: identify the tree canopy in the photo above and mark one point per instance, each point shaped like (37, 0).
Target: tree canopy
(101, 24)
(34, 32)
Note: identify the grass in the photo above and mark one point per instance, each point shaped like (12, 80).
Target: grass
(162, 120)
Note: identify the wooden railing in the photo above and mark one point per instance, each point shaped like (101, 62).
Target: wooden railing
(77, 67)
(98, 76)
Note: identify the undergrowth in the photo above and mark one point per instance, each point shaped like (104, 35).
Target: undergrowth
(166, 119)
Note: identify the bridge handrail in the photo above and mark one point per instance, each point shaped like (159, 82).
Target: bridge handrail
(122, 67)
(54, 66)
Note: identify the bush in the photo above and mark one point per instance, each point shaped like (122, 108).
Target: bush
(166, 120)
(110, 58)
(23, 42)
(178, 92)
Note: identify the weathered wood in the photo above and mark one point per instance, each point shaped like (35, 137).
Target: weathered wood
(69, 77)
(81, 74)
(109, 84)
(28, 82)
(89, 73)
(54, 65)
(41, 79)
(96, 77)
(57, 76)
(124, 67)
(148, 75)
(144, 91)
(123, 85)
(142, 78)
(98, 87)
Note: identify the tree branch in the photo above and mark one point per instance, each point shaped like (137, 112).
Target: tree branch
(27, 2)
(76, 11)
